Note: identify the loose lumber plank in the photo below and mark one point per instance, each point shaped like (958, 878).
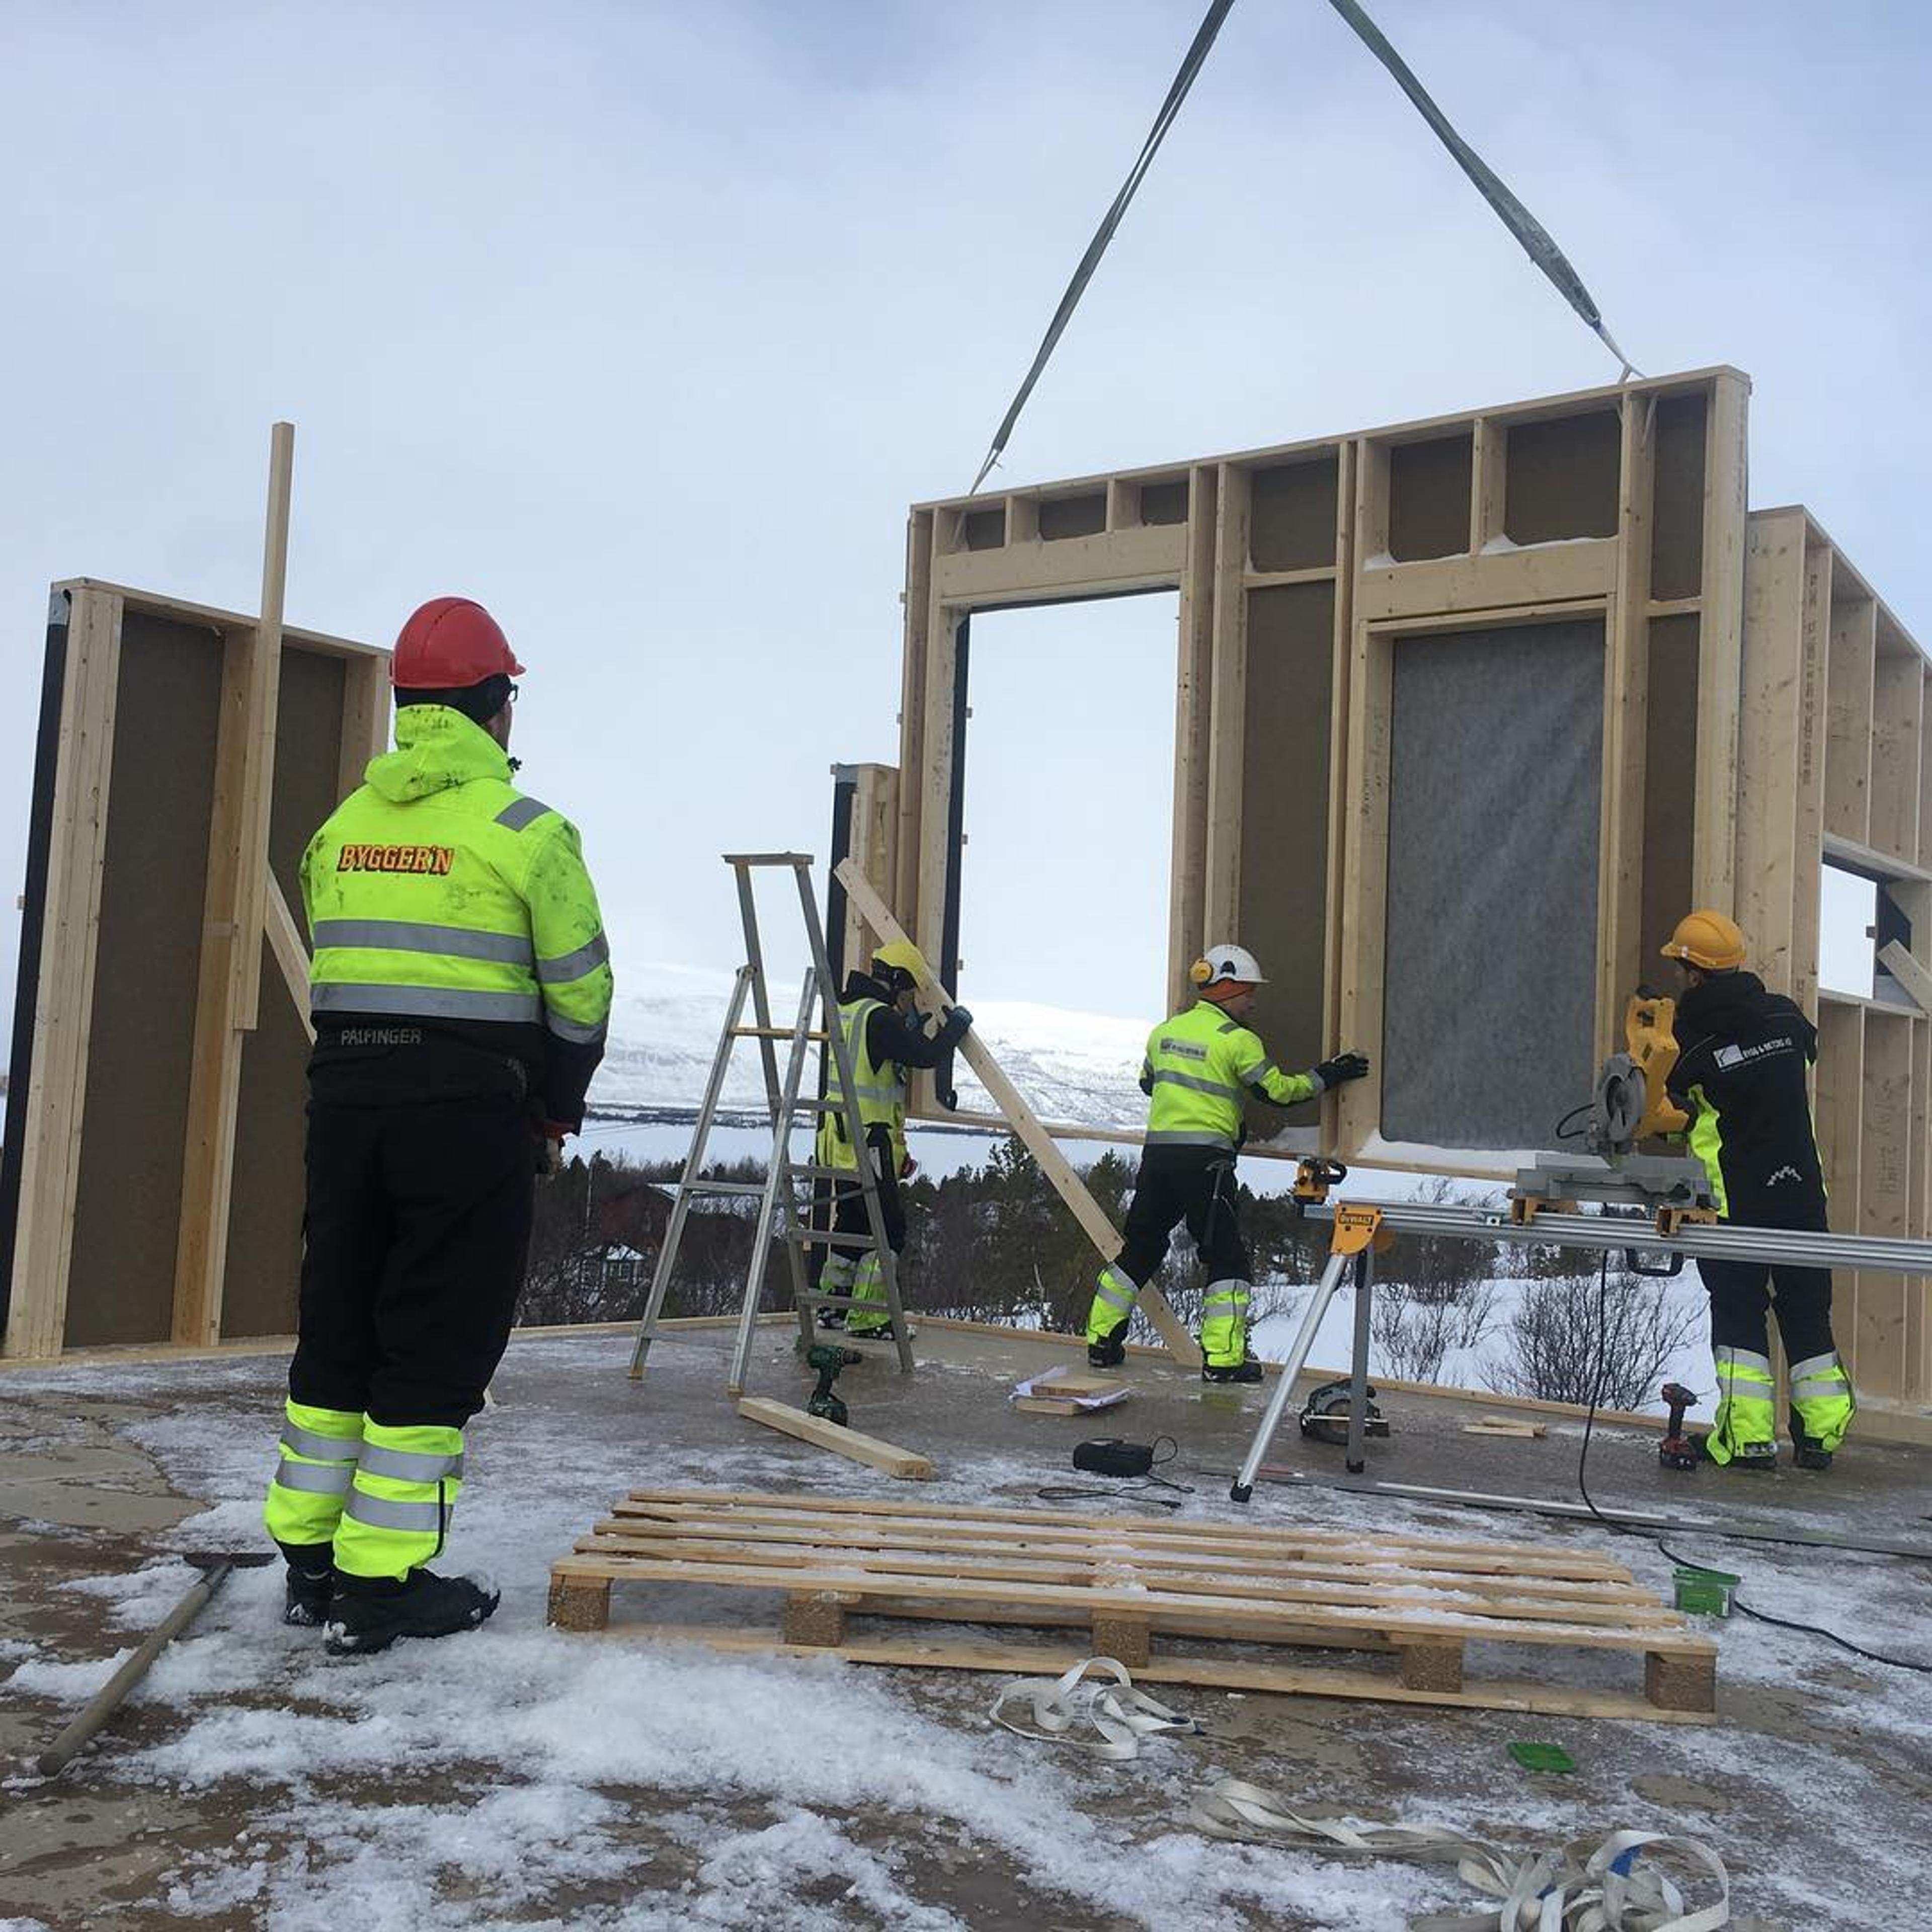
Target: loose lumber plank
(1457, 1572)
(1039, 1143)
(1666, 1634)
(1574, 1562)
(1626, 1609)
(848, 1442)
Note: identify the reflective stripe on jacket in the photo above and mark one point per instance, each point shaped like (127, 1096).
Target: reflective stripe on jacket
(437, 891)
(880, 1089)
(1201, 1066)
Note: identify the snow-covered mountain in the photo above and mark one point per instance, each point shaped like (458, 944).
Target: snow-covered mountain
(1072, 1066)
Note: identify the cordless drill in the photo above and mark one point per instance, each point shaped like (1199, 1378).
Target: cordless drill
(828, 1359)
(1677, 1451)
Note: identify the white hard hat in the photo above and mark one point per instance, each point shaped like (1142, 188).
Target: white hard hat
(1227, 965)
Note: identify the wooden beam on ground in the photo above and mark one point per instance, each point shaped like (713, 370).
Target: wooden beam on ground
(1039, 1143)
(842, 1441)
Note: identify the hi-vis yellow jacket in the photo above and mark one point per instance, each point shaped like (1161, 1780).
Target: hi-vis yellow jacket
(437, 892)
(1200, 1066)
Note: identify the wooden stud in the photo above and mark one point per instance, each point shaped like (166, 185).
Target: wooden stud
(918, 617)
(1228, 710)
(64, 997)
(234, 912)
(1025, 1123)
(1876, 1352)
(1487, 476)
(291, 955)
(1898, 734)
(1621, 966)
(365, 718)
(1808, 842)
(1187, 931)
(263, 675)
(1769, 740)
(1674, 1682)
(1849, 695)
(847, 1442)
(1720, 647)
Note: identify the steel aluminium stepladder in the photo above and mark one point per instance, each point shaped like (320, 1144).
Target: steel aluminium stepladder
(782, 1212)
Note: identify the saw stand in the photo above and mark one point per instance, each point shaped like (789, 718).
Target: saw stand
(1672, 1190)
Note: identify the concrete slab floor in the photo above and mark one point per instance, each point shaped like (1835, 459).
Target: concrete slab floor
(166, 1821)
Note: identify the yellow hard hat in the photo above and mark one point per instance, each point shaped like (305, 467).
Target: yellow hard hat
(903, 954)
(1707, 940)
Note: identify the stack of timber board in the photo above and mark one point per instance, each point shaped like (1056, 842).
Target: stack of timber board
(1123, 1583)
(1058, 1392)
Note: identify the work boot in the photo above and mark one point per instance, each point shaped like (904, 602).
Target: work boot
(309, 1581)
(1246, 1370)
(1111, 1351)
(1761, 1457)
(1808, 1452)
(832, 1318)
(368, 1613)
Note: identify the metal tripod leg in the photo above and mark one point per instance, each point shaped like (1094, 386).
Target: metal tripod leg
(1358, 1384)
(1292, 1367)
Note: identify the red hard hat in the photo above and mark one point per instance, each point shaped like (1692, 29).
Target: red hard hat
(448, 644)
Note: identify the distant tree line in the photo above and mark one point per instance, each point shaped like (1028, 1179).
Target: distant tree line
(995, 1243)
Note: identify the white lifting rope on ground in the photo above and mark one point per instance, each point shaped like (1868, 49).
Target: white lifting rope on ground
(1119, 1715)
(1615, 1884)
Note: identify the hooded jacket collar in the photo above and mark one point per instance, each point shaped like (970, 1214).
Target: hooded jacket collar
(1721, 1000)
(436, 749)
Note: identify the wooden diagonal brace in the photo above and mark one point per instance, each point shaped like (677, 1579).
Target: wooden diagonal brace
(1054, 1164)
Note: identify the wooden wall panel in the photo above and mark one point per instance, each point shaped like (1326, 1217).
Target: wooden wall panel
(128, 1203)
(95, 1242)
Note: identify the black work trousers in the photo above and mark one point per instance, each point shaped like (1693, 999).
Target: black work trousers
(1194, 1184)
(1741, 1297)
(845, 1201)
(419, 1231)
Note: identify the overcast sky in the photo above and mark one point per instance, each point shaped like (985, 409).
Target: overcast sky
(643, 324)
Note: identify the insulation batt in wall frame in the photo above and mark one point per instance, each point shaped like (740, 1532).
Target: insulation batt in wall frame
(1759, 709)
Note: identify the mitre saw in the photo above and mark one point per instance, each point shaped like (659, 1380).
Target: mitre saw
(1631, 1103)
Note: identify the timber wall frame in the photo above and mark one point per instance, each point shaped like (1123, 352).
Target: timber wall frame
(1762, 713)
(151, 1188)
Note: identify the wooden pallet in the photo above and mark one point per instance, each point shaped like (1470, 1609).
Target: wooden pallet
(1127, 1582)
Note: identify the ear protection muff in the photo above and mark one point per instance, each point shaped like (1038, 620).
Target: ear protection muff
(1201, 972)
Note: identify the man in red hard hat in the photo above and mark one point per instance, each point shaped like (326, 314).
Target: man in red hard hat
(460, 989)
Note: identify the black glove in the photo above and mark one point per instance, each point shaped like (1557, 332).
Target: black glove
(1343, 1067)
(958, 1021)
